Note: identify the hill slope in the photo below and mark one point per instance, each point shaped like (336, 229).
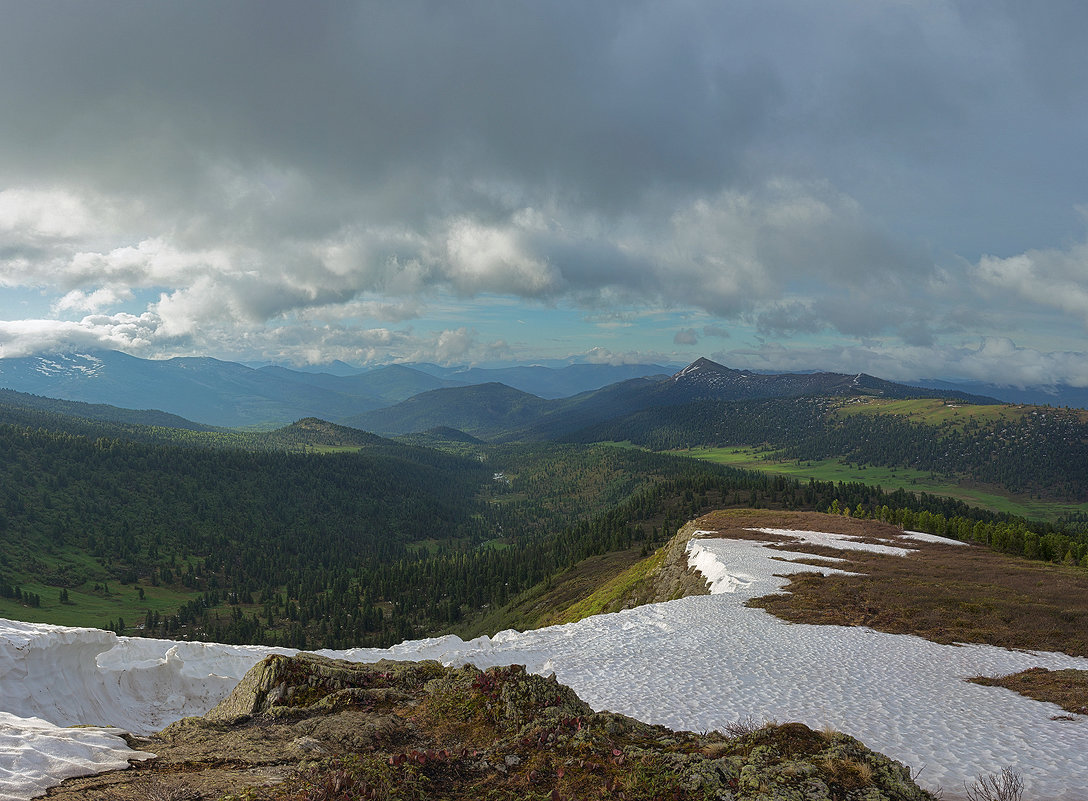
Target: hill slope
(480, 409)
(552, 382)
(384, 385)
(1023, 450)
(26, 409)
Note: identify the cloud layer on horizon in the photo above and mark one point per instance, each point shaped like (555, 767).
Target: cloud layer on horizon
(885, 185)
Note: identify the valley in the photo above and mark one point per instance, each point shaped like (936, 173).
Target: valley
(484, 509)
(318, 533)
(558, 401)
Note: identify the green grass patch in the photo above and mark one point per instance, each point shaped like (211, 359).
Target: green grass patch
(508, 498)
(94, 596)
(429, 546)
(611, 591)
(936, 412)
(90, 607)
(59, 565)
(331, 448)
(497, 544)
(889, 478)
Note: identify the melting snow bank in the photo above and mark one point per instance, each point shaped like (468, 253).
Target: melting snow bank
(697, 663)
(35, 755)
(52, 677)
(72, 676)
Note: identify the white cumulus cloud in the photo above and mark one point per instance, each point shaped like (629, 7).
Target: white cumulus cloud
(1054, 278)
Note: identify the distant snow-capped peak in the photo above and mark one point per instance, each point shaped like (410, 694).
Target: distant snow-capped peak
(704, 372)
(702, 367)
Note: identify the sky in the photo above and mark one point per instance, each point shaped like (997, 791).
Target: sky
(893, 187)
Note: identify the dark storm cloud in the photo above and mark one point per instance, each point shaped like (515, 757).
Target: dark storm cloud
(788, 318)
(585, 99)
(254, 164)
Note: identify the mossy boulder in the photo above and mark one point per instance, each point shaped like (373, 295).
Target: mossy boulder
(282, 685)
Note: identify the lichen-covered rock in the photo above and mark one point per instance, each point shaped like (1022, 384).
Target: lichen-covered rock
(792, 758)
(311, 727)
(278, 684)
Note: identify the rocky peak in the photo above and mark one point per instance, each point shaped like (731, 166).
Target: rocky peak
(703, 368)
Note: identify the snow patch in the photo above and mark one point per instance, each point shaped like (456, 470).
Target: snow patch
(921, 536)
(71, 676)
(841, 542)
(78, 364)
(36, 755)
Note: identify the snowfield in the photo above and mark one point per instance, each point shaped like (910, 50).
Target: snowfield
(697, 663)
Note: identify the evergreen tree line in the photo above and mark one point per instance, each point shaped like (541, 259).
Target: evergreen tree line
(1012, 536)
(15, 592)
(412, 598)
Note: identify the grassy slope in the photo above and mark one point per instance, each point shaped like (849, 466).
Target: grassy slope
(90, 607)
(943, 418)
(609, 592)
(538, 605)
(937, 412)
(890, 478)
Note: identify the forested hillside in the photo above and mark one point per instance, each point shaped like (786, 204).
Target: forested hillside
(1036, 450)
(101, 421)
(37, 407)
(367, 545)
(364, 547)
(318, 534)
(76, 512)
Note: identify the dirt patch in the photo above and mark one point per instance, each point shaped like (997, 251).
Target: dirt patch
(1066, 688)
(737, 524)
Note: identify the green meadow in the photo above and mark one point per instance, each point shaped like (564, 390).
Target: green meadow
(937, 412)
(92, 607)
(890, 478)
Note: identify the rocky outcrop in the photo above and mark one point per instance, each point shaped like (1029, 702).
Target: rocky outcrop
(675, 578)
(307, 727)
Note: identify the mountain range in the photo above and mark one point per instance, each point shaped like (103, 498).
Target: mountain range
(398, 399)
(500, 412)
(221, 393)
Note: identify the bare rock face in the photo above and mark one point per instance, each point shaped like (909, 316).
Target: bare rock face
(281, 685)
(676, 579)
(307, 727)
